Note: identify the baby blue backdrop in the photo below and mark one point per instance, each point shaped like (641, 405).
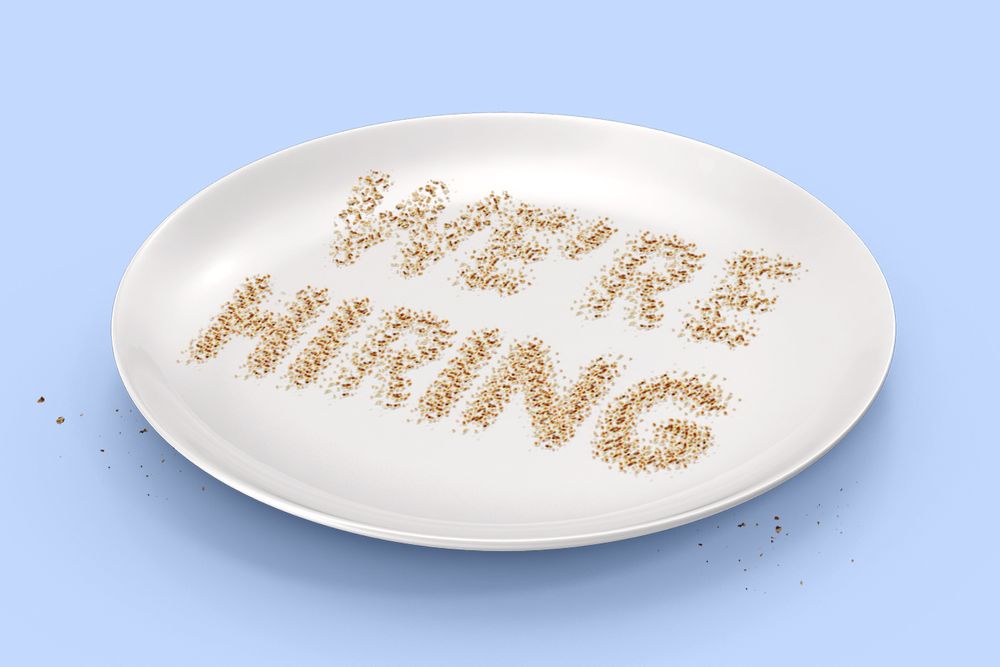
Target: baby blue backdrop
(116, 551)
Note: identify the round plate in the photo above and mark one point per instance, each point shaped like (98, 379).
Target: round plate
(503, 331)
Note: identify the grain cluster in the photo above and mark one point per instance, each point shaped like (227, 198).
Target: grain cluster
(243, 316)
(361, 225)
(316, 356)
(458, 374)
(676, 443)
(521, 235)
(630, 275)
(528, 368)
(747, 289)
(380, 356)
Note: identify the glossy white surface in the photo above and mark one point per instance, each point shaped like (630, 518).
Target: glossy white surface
(818, 362)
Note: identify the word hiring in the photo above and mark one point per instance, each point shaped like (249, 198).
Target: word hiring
(401, 339)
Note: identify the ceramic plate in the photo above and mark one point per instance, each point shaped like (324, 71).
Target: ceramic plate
(503, 331)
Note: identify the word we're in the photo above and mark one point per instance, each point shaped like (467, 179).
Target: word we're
(521, 234)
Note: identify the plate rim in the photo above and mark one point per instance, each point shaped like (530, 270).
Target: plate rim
(479, 543)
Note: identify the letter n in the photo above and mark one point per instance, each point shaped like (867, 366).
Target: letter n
(528, 369)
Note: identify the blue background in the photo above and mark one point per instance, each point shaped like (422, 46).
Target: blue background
(115, 550)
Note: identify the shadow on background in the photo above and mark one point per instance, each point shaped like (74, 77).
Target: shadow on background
(681, 562)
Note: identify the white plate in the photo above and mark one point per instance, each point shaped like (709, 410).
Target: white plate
(819, 356)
